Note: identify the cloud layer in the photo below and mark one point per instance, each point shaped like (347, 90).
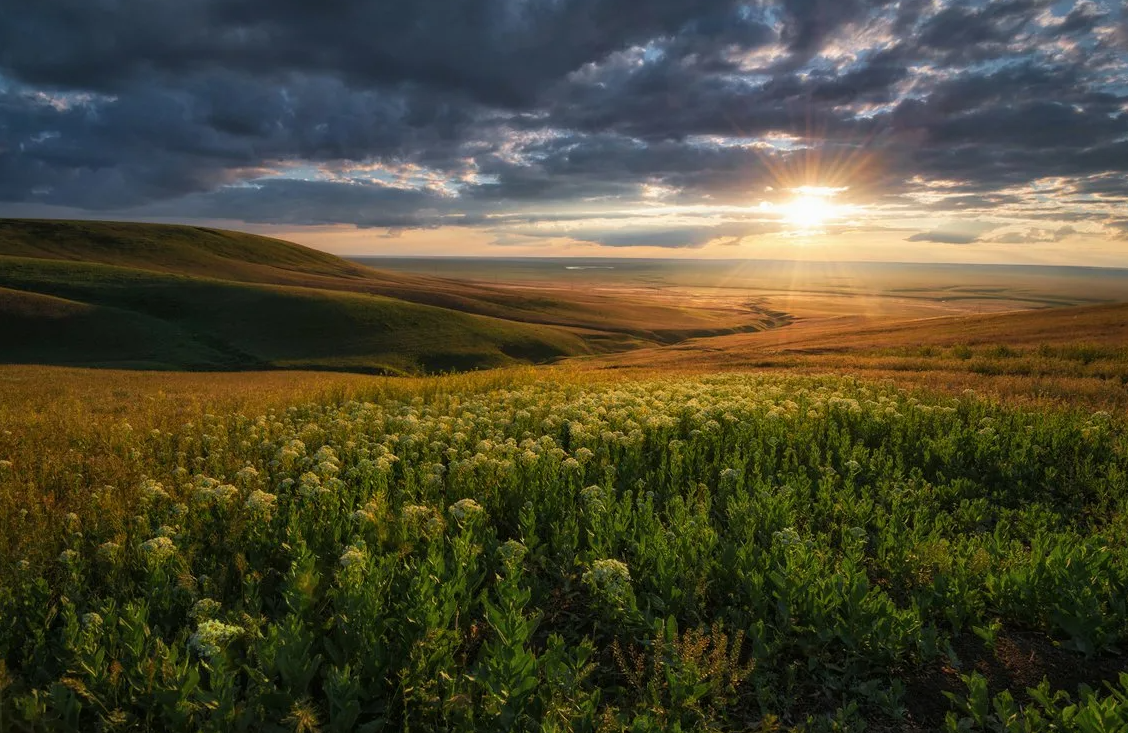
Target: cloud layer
(670, 123)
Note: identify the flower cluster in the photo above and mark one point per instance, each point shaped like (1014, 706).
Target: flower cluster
(212, 637)
(610, 581)
(464, 510)
(158, 549)
(260, 502)
(354, 555)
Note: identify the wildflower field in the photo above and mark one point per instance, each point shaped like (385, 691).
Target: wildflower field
(734, 552)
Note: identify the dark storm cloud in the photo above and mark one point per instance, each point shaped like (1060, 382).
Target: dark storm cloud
(295, 202)
(433, 112)
(499, 51)
(960, 28)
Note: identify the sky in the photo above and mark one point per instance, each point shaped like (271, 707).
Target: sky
(910, 130)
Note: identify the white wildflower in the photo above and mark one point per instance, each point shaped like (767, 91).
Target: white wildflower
(610, 581)
(158, 549)
(593, 497)
(260, 502)
(212, 637)
(512, 553)
(108, 551)
(205, 608)
(153, 490)
(247, 474)
(353, 555)
(465, 509)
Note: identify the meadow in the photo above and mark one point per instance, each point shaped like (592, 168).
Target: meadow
(560, 551)
(771, 498)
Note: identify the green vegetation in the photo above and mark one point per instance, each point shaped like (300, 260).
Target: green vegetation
(711, 553)
(187, 250)
(604, 322)
(60, 311)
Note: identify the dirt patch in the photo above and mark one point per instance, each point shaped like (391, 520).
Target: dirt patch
(1019, 661)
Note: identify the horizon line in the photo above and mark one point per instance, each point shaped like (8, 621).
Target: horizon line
(728, 259)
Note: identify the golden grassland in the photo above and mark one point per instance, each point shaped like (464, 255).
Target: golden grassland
(63, 429)
(1062, 356)
(63, 421)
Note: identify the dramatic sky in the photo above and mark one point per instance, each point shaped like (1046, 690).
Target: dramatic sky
(954, 130)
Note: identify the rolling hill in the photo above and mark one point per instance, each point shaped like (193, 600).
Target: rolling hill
(607, 321)
(147, 296)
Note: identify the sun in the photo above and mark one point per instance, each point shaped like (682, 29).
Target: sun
(810, 208)
(808, 212)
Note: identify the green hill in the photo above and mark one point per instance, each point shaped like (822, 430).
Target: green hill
(606, 320)
(176, 248)
(125, 301)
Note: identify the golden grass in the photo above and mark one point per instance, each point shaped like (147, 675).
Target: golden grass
(1063, 357)
(65, 432)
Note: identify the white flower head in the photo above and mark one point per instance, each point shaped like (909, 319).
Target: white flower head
(205, 608)
(158, 549)
(153, 490)
(415, 513)
(309, 483)
(466, 509)
(247, 474)
(512, 553)
(593, 497)
(260, 502)
(610, 581)
(212, 637)
(353, 556)
(108, 551)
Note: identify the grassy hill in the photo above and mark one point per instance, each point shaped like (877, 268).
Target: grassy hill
(186, 250)
(607, 321)
(144, 302)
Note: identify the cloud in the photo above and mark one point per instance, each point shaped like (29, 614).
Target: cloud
(943, 237)
(678, 237)
(480, 112)
(956, 232)
(1034, 235)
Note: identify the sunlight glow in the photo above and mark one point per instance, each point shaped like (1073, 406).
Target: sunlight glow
(811, 207)
(807, 212)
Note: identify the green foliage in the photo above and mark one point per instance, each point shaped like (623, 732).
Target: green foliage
(1047, 711)
(701, 554)
(60, 311)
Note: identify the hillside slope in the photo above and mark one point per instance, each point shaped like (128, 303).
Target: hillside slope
(60, 311)
(176, 248)
(620, 321)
